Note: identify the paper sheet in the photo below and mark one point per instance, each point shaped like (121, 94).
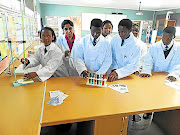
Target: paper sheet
(121, 88)
(175, 85)
(56, 97)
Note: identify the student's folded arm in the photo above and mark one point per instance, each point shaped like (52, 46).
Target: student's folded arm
(107, 62)
(114, 63)
(52, 65)
(175, 72)
(132, 65)
(147, 63)
(79, 59)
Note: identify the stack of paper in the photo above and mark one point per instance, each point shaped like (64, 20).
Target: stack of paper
(119, 88)
(56, 97)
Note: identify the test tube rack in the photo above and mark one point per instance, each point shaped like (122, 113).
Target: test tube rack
(96, 80)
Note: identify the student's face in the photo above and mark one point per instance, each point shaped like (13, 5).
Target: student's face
(68, 30)
(135, 31)
(167, 38)
(107, 29)
(124, 33)
(47, 37)
(96, 31)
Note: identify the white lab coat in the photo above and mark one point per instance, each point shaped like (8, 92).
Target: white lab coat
(68, 60)
(108, 37)
(143, 52)
(155, 60)
(92, 58)
(125, 59)
(52, 62)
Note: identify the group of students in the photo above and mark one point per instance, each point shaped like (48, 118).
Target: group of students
(122, 55)
(118, 56)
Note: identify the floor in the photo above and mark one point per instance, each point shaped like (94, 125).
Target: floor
(152, 130)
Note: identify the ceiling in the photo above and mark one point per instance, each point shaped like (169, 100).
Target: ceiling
(151, 5)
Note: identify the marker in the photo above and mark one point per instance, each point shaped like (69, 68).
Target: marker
(103, 79)
(100, 81)
(89, 74)
(92, 75)
(89, 81)
(94, 81)
(97, 80)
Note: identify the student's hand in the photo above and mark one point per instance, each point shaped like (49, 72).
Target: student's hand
(25, 61)
(112, 76)
(136, 73)
(171, 78)
(144, 75)
(85, 74)
(67, 53)
(30, 75)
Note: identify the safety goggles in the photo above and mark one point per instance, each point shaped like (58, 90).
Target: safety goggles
(70, 28)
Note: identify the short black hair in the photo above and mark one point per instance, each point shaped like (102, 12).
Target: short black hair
(126, 22)
(106, 22)
(52, 31)
(96, 23)
(66, 22)
(170, 30)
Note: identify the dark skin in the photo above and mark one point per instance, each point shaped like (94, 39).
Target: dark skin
(166, 39)
(85, 74)
(135, 30)
(46, 39)
(68, 31)
(124, 33)
(95, 32)
(107, 29)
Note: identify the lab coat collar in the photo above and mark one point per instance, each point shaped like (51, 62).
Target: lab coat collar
(128, 40)
(97, 40)
(171, 53)
(49, 47)
(169, 46)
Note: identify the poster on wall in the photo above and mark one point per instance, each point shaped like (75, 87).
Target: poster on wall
(77, 24)
(4, 49)
(51, 20)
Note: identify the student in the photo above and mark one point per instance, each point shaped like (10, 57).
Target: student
(163, 56)
(132, 125)
(135, 31)
(107, 29)
(93, 52)
(68, 41)
(125, 51)
(49, 56)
